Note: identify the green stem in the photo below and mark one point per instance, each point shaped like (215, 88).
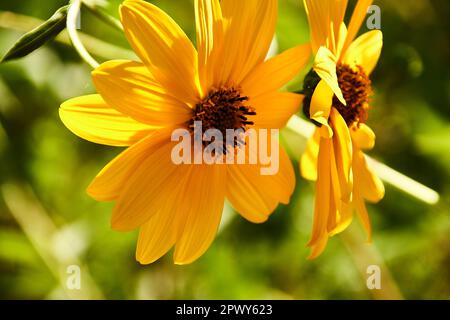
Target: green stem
(102, 15)
(72, 16)
(403, 182)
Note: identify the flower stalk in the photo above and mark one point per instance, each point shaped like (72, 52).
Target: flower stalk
(72, 18)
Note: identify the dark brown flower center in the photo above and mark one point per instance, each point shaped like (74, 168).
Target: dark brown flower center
(223, 109)
(356, 89)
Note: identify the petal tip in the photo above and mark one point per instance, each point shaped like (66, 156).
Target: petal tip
(142, 260)
(182, 261)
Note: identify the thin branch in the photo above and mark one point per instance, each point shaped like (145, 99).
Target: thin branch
(403, 182)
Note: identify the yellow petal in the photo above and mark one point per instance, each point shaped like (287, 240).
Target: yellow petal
(345, 218)
(341, 40)
(210, 32)
(359, 14)
(276, 72)
(162, 46)
(363, 136)
(325, 19)
(159, 234)
(274, 109)
(365, 51)
(318, 247)
(342, 144)
(131, 89)
(281, 184)
(203, 200)
(370, 186)
(323, 191)
(320, 107)
(308, 161)
(247, 199)
(337, 13)
(334, 194)
(147, 189)
(111, 180)
(256, 196)
(340, 215)
(363, 215)
(319, 20)
(90, 118)
(250, 29)
(156, 237)
(325, 67)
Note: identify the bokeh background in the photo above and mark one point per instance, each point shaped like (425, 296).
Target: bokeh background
(47, 221)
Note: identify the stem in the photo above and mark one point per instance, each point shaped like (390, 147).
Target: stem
(403, 182)
(304, 128)
(102, 15)
(72, 16)
(387, 174)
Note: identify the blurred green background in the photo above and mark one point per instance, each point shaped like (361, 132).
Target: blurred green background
(47, 221)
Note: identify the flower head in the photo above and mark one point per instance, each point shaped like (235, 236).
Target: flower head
(224, 83)
(337, 99)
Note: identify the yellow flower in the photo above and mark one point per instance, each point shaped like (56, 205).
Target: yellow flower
(140, 104)
(337, 96)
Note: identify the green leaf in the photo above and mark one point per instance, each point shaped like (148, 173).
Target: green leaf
(37, 37)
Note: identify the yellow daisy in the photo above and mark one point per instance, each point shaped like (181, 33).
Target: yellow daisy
(140, 104)
(337, 98)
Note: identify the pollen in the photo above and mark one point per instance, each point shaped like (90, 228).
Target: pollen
(357, 90)
(223, 109)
